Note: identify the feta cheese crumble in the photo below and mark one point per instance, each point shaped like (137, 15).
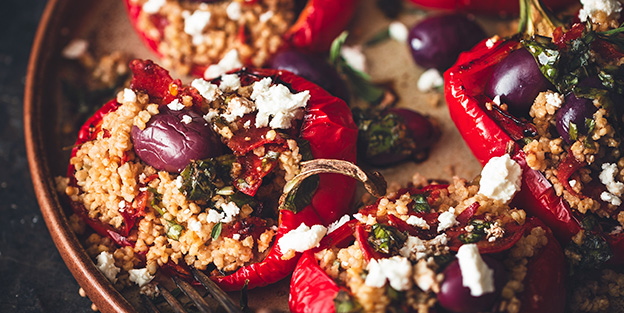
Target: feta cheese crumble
(500, 178)
(186, 119)
(354, 57)
(106, 265)
(415, 248)
(335, 225)
(302, 238)
(591, 7)
(277, 103)
(175, 105)
(266, 16)
(476, 275)
(607, 177)
(129, 95)
(230, 82)
(233, 11)
(417, 221)
(429, 80)
(75, 49)
(398, 31)
(231, 210)
(396, 270)
(153, 6)
(195, 23)
(140, 276)
(205, 89)
(237, 108)
(230, 61)
(447, 219)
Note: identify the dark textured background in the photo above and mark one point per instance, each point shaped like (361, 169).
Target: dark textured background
(33, 277)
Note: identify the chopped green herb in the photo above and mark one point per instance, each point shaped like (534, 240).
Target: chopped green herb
(420, 203)
(478, 231)
(244, 298)
(573, 131)
(199, 177)
(174, 230)
(591, 254)
(242, 199)
(383, 134)
(301, 195)
(386, 239)
(216, 231)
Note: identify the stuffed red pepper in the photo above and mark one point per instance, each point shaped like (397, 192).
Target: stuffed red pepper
(210, 37)
(182, 175)
(552, 97)
(449, 248)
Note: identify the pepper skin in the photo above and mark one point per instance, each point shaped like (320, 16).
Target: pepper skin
(327, 125)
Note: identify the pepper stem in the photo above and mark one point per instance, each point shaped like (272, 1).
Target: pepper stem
(373, 182)
(535, 19)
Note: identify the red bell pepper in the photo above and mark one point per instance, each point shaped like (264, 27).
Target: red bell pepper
(327, 125)
(489, 133)
(317, 25)
(488, 7)
(312, 290)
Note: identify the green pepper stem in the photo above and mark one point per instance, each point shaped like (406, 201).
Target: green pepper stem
(536, 20)
(374, 183)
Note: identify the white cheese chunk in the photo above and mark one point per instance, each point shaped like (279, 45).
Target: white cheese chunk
(140, 276)
(231, 210)
(214, 216)
(447, 219)
(429, 80)
(476, 275)
(129, 95)
(610, 198)
(501, 178)
(237, 108)
(195, 226)
(175, 105)
(417, 221)
(75, 49)
(233, 11)
(335, 225)
(211, 115)
(266, 16)
(205, 89)
(230, 82)
(106, 265)
(195, 23)
(607, 177)
(277, 103)
(153, 6)
(398, 31)
(230, 61)
(397, 270)
(611, 8)
(187, 119)
(302, 238)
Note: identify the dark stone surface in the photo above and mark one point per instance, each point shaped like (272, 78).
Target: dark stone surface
(33, 277)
